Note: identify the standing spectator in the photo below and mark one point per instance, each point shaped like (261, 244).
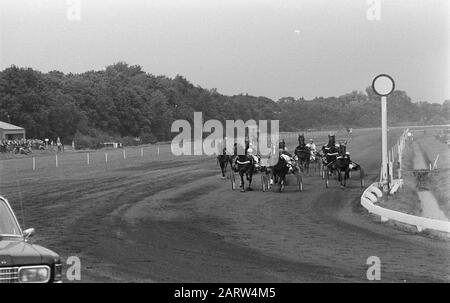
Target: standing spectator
(58, 144)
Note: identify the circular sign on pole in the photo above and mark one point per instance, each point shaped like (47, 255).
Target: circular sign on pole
(383, 85)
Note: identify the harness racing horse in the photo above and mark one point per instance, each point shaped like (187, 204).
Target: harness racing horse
(280, 170)
(277, 173)
(330, 153)
(223, 161)
(342, 165)
(244, 165)
(303, 154)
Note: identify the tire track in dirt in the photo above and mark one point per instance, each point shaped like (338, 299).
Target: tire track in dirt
(201, 231)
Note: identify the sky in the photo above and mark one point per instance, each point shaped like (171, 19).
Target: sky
(272, 48)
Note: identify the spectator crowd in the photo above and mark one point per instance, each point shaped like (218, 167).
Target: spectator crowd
(21, 146)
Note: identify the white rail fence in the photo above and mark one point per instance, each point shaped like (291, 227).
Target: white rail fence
(86, 158)
(371, 196)
(374, 193)
(395, 160)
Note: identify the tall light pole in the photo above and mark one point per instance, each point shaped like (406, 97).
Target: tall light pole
(383, 85)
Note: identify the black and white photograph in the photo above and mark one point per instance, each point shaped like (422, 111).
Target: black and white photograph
(224, 147)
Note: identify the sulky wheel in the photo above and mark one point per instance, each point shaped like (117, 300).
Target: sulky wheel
(264, 182)
(362, 176)
(322, 170)
(300, 181)
(268, 179)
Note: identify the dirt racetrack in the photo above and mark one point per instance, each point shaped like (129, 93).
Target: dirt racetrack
(174, 220)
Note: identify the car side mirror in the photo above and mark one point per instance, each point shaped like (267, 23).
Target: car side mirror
(28, 233)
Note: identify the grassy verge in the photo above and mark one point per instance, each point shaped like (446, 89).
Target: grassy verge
(439, 183)
(405, 200)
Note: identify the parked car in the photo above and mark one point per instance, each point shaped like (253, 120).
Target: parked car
(20, 261)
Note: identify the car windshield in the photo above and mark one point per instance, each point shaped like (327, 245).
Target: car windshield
(8, 224)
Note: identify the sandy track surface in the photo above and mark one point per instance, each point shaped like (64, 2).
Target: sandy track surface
(177, 221)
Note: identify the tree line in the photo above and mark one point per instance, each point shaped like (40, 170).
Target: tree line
(123, 103)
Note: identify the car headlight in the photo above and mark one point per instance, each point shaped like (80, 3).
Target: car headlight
(34, 274)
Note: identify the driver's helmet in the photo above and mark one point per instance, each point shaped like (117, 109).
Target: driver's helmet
(250, 151)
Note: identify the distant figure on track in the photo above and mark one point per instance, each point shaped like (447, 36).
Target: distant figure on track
(223, 161)
(312, 147)
(410, 136)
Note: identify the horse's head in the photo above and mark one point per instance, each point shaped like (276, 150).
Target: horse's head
(342, 149)
(301, 139)
(247, 143)
(282, 144)
(235, 149)
(331, 140)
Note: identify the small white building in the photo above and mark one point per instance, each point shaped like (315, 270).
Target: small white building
(11, 132)
(113, 144)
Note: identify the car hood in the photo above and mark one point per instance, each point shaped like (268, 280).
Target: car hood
(20, 253)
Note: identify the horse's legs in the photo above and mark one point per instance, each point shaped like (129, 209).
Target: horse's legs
(249, 178)
(270, 175)
(223, 169)
(341, 180)
(225, 165)
(241, 174)
(282, 179)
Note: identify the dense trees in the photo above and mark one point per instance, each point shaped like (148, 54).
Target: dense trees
(123, 102)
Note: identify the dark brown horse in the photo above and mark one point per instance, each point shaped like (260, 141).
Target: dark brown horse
(342, 165)
(244, 165)
(223, 160)
(303, 153)
(338, 160)
(279, 172)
